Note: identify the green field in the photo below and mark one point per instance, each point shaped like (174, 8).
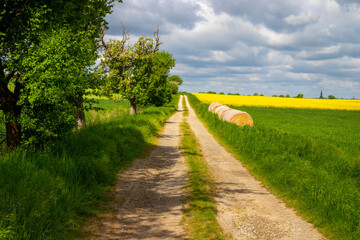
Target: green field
(340, 128)
(309, 158)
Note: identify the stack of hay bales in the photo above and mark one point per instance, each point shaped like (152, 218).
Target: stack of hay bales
(228, 114)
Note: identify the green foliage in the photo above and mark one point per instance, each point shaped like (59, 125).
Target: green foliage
(159, 89)
(296, 159)
(45, 53)
(300, 95)
(287, 96)
(54, 83)
(211, 92)
(175, 79)
(139, 73)
(44, 195)
(255, 94)
(331, 97)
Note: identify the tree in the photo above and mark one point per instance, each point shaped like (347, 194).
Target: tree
(174, 83)
(331, 97)
(300, 95)
(54, 84)
(160, 91)
(175, 79)
(287, 96)
(23, 26)
(138, 72)
(255, 94)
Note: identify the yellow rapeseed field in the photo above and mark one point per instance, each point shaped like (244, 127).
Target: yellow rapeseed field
(262, 101)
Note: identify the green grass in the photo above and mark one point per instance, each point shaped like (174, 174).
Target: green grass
(200, 209)
(340, 128)
(308, 166)
(47, 194)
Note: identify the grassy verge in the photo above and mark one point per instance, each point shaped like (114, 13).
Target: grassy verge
(200, 210)
(46, 195)
(319, 179)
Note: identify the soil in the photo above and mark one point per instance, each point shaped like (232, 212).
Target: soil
(149, 196)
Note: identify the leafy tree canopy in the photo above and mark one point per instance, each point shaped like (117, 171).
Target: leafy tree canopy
(37, 58)
(138, 72)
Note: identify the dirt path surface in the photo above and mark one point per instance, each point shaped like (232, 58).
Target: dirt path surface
(245, 208)
(149, 196)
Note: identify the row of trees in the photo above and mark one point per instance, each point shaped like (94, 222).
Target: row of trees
(48, 50)
(256, 94)
(300, 95)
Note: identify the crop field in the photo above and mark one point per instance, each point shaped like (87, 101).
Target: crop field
(308, 157)
(279, 102)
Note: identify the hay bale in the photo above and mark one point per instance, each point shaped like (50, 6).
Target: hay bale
(237, 117)
(228, 114)
(220, 110)
(222, 113)
(213, 106)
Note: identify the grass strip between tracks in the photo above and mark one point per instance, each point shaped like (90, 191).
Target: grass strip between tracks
(200, 209)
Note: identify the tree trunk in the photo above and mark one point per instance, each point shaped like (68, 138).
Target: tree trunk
(132, 108)
(80, 115)
(13, 128)
(13, 134)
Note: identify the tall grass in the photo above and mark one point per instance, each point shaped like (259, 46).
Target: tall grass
(310, 173)
(45, 195)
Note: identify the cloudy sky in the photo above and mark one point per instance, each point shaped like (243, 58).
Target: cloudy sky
(247, 46)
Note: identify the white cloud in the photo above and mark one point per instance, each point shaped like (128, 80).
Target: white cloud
(290, 46)
(303, 18)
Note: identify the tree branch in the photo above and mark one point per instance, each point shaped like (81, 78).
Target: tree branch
(157, 40)
(102, 34)
(157, 44)
(125, 36)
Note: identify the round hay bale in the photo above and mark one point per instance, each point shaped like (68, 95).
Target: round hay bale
(229, 114)
(212, 106)
(221, 109)
(242, 119)
(222, 113)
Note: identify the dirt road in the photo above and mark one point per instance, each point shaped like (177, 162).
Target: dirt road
(149, 196)
(245, 208)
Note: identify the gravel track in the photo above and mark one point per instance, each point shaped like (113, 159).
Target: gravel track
(246, 209)
(149, 196)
